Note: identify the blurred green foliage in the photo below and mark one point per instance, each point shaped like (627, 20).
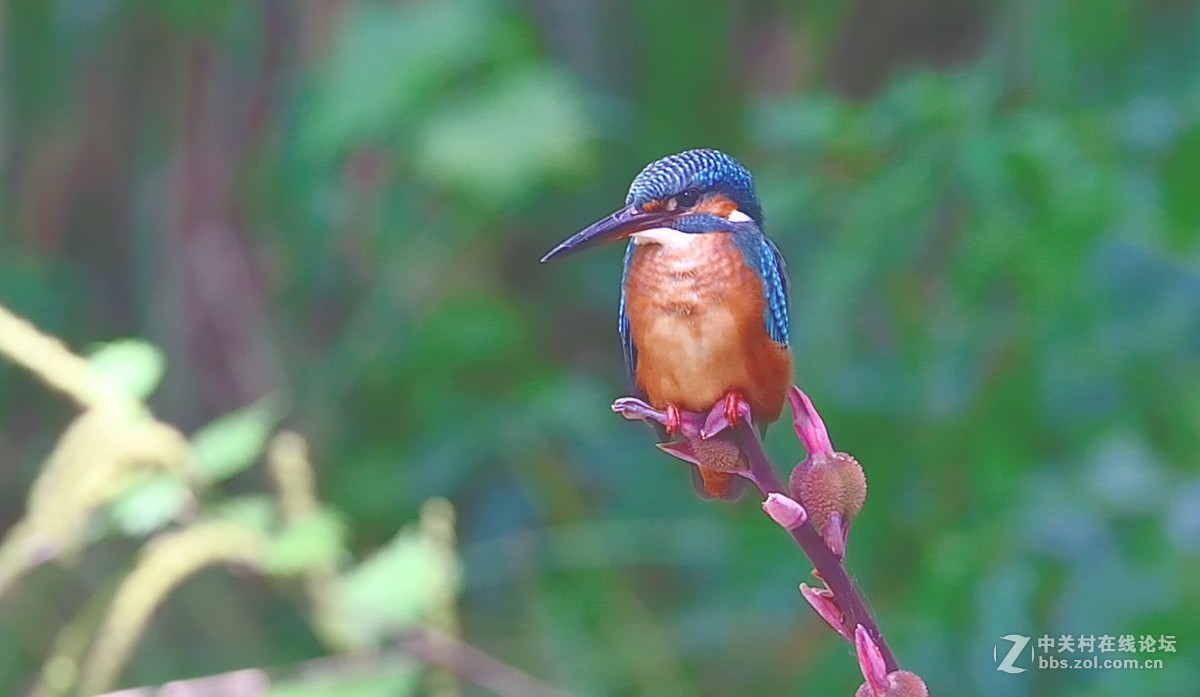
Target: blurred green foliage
(991, 219)
(117, 464)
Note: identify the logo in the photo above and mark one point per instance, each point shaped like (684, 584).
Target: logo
(1083, 652)
(1008, 664)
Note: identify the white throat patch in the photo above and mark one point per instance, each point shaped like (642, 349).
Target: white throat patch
(668, 237)
(664, 236)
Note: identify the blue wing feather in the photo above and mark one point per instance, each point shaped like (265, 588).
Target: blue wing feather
(776, 286)
(763, 256)
(628, 350)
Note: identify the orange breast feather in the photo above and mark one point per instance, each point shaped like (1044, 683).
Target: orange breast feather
(696, 318)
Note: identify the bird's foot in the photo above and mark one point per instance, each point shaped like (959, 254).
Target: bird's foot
(716, 459)
(727, 413)
(736, 408)
(674, 424)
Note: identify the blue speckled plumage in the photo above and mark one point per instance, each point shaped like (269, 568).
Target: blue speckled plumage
(764, 257)
(710, 170)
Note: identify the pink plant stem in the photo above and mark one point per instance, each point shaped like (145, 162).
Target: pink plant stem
(831, 567)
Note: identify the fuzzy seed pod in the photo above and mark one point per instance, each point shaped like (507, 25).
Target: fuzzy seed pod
(718, 454)
(828, 484)
(718, 459)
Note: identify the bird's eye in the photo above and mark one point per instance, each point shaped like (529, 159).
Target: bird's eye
(687, 198)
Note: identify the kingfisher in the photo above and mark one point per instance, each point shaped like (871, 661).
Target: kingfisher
(704, 294)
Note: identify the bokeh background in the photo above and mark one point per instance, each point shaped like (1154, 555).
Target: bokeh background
(991, 214)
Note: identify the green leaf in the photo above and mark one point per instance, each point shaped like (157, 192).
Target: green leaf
(133, 366)
(232, 442)
(395, 588)
(150, 504)
(315, 541)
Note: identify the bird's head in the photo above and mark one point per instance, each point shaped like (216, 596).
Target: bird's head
(692, 192)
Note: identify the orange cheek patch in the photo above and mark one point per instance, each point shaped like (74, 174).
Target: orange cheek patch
(716, 205)
(651, 206)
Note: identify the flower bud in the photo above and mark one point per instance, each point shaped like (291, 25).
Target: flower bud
(900, 683)
(810, 427)
(785, 511)
(879, 682)
(872, 664)
(828, 484)
(825, 603)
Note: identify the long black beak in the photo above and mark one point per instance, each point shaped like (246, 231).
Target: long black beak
(617, 226)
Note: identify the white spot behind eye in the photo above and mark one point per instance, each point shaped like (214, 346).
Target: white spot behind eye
(736, 216)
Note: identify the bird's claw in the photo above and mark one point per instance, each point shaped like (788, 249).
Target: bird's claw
(736, 408)
(674, 423)
(727, 413)
(716, 459)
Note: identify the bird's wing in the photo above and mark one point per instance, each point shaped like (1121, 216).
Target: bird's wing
(776, 287)
(628, 350)
(763, 256)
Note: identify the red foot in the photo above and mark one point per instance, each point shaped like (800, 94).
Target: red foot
(734, 402)
(674, 424)
(729, 412)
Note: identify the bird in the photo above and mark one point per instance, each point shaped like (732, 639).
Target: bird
(704, 311)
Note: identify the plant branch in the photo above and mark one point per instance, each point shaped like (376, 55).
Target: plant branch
(822, 496)
(432, 649)
(474, 666)
(831, 568)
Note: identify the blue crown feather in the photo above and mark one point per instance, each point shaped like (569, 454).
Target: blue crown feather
(703, 169)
